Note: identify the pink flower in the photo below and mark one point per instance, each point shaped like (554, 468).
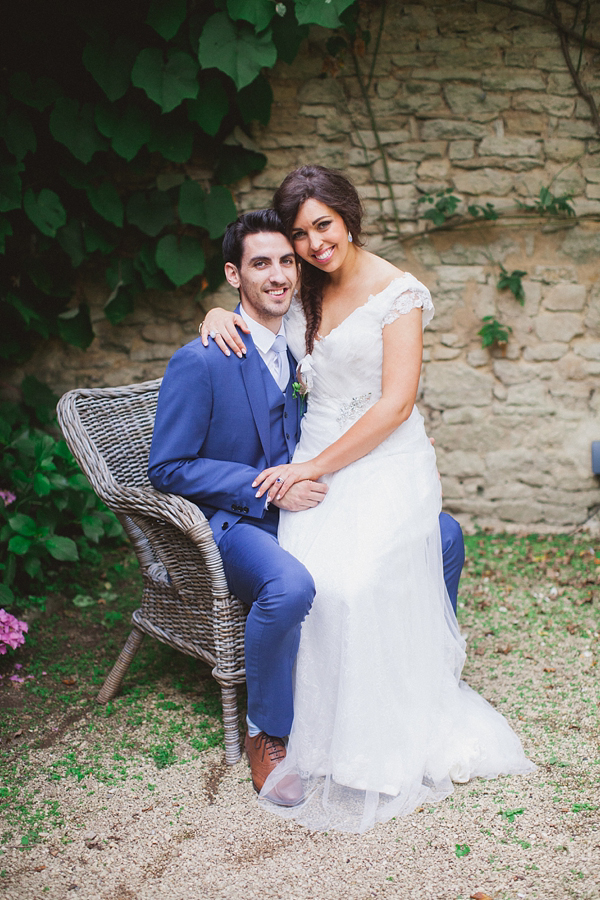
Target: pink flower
(11, 632)
(8, 497)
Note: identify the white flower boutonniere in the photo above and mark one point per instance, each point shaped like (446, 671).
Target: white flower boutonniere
(304, 380)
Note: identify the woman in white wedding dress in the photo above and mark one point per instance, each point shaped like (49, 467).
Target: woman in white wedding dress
(382, 722)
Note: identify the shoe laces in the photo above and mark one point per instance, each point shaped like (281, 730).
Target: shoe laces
(273, 746)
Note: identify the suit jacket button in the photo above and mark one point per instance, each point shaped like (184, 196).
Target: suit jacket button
(224, 526)
(245, 509)
(287, 437)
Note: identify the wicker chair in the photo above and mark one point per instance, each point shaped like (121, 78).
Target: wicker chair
(186, 602)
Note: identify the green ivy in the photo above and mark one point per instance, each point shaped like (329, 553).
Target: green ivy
(101, 109)
(48, 510)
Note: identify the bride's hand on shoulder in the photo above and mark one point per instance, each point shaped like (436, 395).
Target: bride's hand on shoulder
(221, 325)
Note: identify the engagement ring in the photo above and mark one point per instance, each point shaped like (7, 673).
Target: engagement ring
(214, 334)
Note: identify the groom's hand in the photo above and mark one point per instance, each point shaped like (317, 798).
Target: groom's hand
(302, 495)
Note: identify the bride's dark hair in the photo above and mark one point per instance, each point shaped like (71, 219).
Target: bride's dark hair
(337, 192)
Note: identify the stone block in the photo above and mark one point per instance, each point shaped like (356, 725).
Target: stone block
(387, 88)
(513, 146)
(461, 149)
(485, 181)
(406, 60)
(571, 129)
(417, 98)
(539, 102)
(544, 352)
(441, 352)
(400, 172)
(484, 300)
(366, 138)
(521, 122)
(524, 512)
(561, 83)
(164, 332)
(447, 73)
(460, 274)
(511, 373)
(473, 102)
(141, 351)
(434, 168)
(555, 274)
(321, 91)
(588, 349)
(551, 59)
(581, 245)
(460, 463)
(334, 126)
(592, 318)
(565, 297)
(571, 367)
(558, 326)
(451, 385)
(593, 191)
(478, 357)
(563, 149)
(450, 129)
(417, 150)
(504, 79)
(591, 172)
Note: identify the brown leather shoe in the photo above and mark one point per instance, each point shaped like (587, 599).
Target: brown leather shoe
(264, 754)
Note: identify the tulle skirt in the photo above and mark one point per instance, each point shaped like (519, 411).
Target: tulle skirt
(382, 721)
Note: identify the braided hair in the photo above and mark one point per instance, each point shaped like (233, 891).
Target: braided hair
(337, 192)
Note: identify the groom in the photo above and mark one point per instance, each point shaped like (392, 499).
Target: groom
(219, 422)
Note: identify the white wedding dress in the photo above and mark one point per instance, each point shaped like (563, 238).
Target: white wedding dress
(382, 722)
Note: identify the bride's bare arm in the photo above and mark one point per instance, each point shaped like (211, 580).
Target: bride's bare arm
(222, 325)
(402, 353)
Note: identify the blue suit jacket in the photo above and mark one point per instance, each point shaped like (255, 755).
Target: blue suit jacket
(212, 431)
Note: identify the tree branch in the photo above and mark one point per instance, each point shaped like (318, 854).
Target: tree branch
(583, 91)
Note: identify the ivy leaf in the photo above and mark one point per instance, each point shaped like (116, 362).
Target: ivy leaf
(39, 95)
(110, 64)
(151, 211)
(167, 17)
(145, 264)
(75, 327)
(127, 130)
(5, 231)
(107, 203)
(236, 162)
(45, 211)
(174, 142)
(119, 304)
(10, 187)
(75, 128)
(235, 50)
(513, 282)
(288, 35)
(95, 240)
(210, 106)
(41, 485)
(70, 239)
(258, 12)
(23, 525)
(19, 545)
(212, 211)
(61, 548)
(19, 135)
(321, 12)
(255, 101)
(167, 83)
(181, 258)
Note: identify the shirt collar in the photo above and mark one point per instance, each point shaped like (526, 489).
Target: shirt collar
(262, 336)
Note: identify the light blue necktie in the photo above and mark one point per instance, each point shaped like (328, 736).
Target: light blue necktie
(279, 346)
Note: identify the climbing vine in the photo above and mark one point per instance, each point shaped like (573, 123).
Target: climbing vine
(124, 127)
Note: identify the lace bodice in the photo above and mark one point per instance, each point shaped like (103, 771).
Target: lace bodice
(343, 373)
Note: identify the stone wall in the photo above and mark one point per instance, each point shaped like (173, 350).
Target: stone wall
(473, 97)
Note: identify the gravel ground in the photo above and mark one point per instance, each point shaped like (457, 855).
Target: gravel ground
(192, 828)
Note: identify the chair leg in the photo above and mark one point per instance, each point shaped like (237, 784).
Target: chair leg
(113, 681)
(231, 723)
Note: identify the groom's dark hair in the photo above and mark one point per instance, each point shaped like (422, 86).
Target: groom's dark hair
(249, 223)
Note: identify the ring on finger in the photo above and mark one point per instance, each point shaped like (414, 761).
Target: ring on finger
(279, 481)
(214, 334)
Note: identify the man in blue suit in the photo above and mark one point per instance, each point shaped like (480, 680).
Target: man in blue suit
(220, 421)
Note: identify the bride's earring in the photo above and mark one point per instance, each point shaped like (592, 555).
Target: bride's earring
(349, 238)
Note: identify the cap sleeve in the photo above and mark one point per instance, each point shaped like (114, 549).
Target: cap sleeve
(400, 296)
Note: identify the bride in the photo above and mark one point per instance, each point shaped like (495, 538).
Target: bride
(382, 721)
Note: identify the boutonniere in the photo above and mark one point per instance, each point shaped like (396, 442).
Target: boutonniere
(304, 381)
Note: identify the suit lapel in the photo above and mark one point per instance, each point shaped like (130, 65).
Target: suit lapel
(257, 395)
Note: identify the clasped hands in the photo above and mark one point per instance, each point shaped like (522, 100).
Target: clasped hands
(292, 486)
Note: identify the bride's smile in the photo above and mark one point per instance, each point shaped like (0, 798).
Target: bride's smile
(320, 236)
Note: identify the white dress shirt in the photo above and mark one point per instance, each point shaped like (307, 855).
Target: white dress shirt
(264, 339)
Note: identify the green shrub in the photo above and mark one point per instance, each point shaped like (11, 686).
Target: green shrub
(48, 510)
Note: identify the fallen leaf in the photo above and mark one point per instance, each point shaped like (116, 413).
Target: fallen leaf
(39, 868)
(480, 896)
(18, 733)
(506, 649)
(70, 680)
(571, 628)
(147, 808)
(549, 669)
